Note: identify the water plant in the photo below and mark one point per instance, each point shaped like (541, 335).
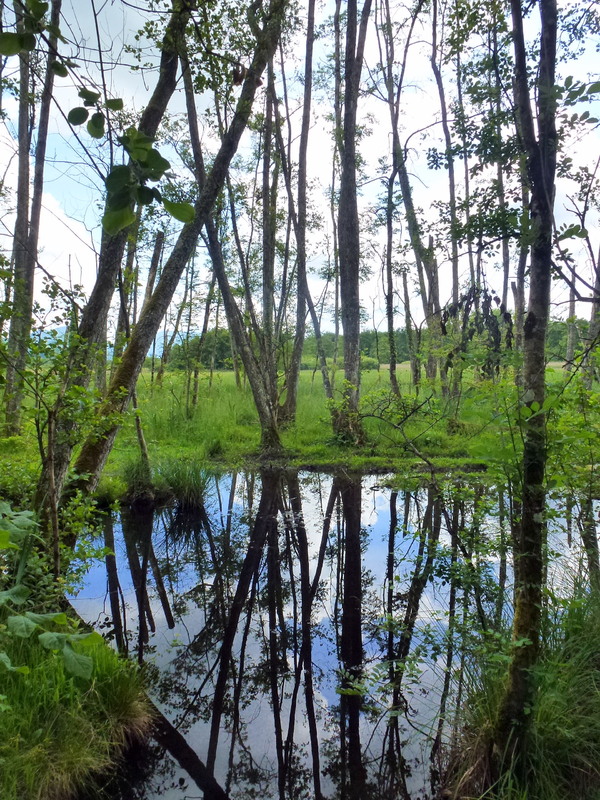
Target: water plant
(185, 479)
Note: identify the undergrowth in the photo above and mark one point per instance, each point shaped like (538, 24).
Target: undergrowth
(563, 756)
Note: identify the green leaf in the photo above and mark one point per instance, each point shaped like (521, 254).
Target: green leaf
(77, 116)
(95, 126)
(115, 221)
(594, 87)
(16, 595)
(36, 8)
(53, 641)
(5, 543)
(6, 662)
(184, 212)
(28, 41)
(21, 626)
(118, 178)
(145, 195)
(58, 617)
(115, 104)
(77, 664)
(10, 44)
(125, 197)
(154, 165)
(60, 69)
(89, 97)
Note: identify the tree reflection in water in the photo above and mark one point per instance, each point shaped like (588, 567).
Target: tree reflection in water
(305, 633)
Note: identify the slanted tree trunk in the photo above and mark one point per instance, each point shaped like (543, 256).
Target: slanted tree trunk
(92, 326)
(96, 448)
(258, 376)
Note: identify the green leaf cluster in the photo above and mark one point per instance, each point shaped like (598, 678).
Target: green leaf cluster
(126, 184)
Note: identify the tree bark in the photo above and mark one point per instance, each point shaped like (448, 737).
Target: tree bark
(348, 422)
(96, 448)
(514, 714)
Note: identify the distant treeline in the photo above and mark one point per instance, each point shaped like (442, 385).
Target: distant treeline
(215, 350)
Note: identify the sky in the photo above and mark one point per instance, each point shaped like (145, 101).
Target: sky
(73, 190)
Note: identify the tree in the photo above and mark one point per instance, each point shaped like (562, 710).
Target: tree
(348, 423)
(27, 224)
(97, 446)
(538, 138)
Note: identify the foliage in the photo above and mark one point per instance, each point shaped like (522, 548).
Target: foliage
(564, 744)
(68, 701)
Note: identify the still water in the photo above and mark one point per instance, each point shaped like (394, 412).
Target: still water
(310, 635)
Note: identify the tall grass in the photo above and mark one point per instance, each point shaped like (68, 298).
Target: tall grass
(185, 479)
(563, 757)
(57, 730)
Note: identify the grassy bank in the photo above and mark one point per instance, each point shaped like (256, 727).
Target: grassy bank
(562, 761)
(68, 703)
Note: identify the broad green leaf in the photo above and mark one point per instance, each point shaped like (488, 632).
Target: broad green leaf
(77, 116)
(10, 44)
(60, 69)
(53, 641)
(95, 126)
(21, 626)
(77, 664)
(89, 97)
(145, 195)
(184, 212)
(118, 177)
(5, 543)
(594, 87)
(58, 617)
(36, 8)
(7, 664)
(16, 595)
(115, 221)
(116, 104)
(28, 41)
(154, 165)
(117, 201)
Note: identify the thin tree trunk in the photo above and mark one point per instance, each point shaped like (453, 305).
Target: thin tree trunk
(23, 265)
(96, 448)
(348, 422)
(514, 713)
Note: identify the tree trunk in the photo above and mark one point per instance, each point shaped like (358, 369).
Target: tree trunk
(514, 713)
(348, 422)
(92, 326)
(23, 265)
(96, 448)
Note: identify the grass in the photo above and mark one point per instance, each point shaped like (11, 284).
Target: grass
(223, 431)
(56, 730)
(68, 703)
(564, 748)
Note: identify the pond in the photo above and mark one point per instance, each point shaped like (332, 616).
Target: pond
(310, 635)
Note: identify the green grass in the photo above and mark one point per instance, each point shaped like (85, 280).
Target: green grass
(564, 749)
(57, 730)
(223, 430)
